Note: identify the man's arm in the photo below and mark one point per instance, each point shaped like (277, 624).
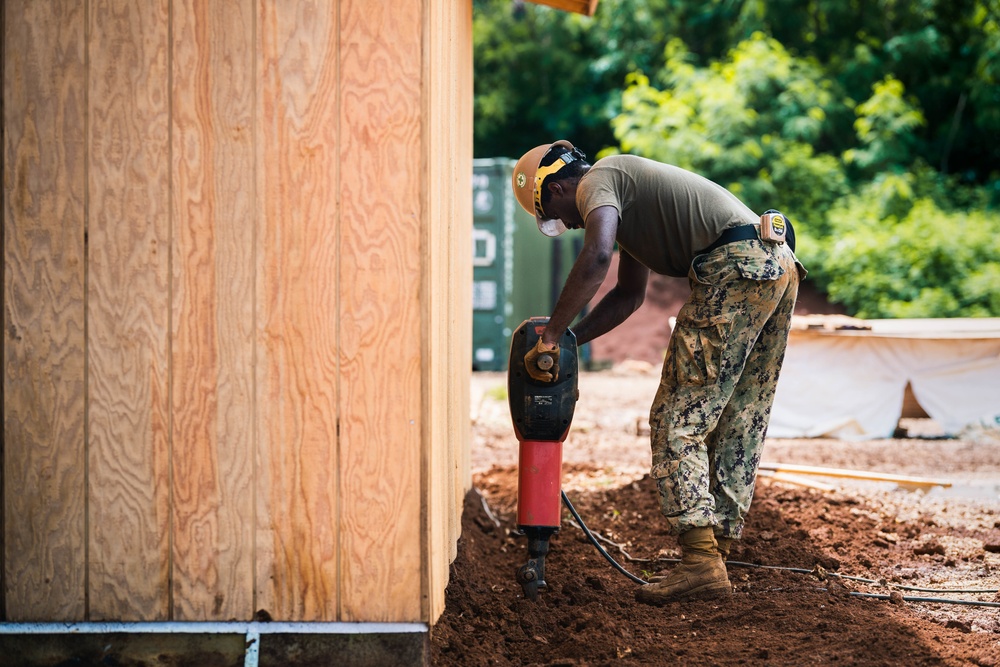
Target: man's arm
(623, 300)
(588, 271)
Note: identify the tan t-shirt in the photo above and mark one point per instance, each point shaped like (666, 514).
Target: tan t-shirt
(666, 213)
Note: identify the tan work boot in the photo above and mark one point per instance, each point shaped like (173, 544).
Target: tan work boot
(701, 573)
(725, 544)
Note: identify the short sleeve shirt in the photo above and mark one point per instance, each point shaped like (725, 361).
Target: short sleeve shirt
(666, 214)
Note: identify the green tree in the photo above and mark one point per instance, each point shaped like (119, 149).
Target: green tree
(540, 73)
(543, 74)
(885, 126)
(872, 124)
(533, 82)
(923, 262)
(749, 122)
(944, 52)
(883, 232)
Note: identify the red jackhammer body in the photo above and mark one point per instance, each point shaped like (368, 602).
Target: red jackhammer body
(542, 413)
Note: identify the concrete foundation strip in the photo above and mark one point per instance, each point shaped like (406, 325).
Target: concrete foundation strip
(252, 630)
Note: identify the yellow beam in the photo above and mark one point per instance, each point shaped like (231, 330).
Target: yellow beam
(585, 7)
(852, 474)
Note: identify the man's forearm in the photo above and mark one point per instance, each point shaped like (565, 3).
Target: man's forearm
(577, 293)
(587, 274)
(582, 284)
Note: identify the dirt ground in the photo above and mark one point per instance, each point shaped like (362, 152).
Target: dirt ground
(943, 539)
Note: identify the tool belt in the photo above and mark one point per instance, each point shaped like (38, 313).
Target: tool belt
(747, 232)
(732, 235)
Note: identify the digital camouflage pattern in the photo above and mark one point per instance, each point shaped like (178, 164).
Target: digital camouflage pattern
(712, 407)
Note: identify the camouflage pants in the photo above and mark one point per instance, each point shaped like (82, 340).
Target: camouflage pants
(711, 411)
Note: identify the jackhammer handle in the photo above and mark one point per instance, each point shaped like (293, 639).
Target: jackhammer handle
(544, 362)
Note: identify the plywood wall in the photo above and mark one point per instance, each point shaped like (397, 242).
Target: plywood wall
(236, 308)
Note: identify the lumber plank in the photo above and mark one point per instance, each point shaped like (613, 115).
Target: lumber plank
(585, 7)
(796, 480)
(447, 306)
(434, 317)
(380, 325)
(128, 310)
(845, 473)
(43, 452)
(213, 306)
(463, 311)
(461, 315)
(297, 527)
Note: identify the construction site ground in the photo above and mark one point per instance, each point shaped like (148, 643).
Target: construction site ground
(936, 537)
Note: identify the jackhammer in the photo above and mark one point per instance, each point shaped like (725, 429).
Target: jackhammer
(542, 413)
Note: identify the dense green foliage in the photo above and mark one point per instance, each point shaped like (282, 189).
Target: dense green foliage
(872, 124)
(893, 253)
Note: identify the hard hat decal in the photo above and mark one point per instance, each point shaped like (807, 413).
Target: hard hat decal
(521, 179)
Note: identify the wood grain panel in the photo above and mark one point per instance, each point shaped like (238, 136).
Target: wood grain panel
(213, 306)
(448, 274)
(298, 171)
(462, 313)
(434, 320)
(460, 293)
(380, 351)
(44, 98)
(128, 309)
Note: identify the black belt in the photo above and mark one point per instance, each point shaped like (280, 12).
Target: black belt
(731, 235)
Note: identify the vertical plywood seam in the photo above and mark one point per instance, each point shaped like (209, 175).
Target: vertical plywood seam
(3, 302)
(425, 312)
(86, 310)
(338, 189)
(254, 431)
(170, 311)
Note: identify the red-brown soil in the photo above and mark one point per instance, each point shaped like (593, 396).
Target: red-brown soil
(588, 615)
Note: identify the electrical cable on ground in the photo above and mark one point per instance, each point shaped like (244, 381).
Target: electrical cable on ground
(818, 572)
(907, 598)
(593, 540)
(821, 573)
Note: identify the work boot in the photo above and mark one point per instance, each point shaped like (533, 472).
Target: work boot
(701, 574)
(725, 544)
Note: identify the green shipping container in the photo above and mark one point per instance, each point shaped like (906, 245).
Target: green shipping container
(517, 272)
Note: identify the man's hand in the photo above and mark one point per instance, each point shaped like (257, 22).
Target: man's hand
(536, 362)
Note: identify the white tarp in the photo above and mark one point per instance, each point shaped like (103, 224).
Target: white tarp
(848, 380)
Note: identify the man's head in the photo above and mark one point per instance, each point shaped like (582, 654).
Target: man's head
(536, 171)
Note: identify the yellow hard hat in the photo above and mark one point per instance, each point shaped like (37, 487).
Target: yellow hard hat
(527, 182)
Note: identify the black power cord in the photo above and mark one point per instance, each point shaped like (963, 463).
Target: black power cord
(593, 540)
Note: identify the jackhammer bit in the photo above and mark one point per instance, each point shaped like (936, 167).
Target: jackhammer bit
(542, 413)
(531, 575)
(530, 580)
